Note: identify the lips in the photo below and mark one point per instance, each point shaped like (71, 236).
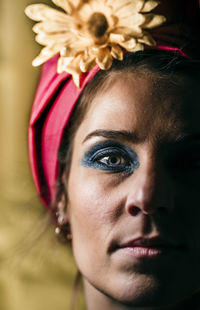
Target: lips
(149, 247)
(147, 242)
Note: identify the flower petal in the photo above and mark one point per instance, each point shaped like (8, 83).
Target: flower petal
(87, 63)
(40, 12)
(131, 20)
(85, 13)
(97, 5)
(104, 58)
(126, 6)
(80, 44)
(135, 32)
(76, 78)
(147, 39)
(116, 38)
(112, 20)
(152, 21)
(129, 45)
(45, 54)
(50, 39)
(67, 52)
(149, 6)
(78, 3)
(138, 47)
(63, 62)
(117, 52)
(51, 27)
(70, 65)
(64, 4)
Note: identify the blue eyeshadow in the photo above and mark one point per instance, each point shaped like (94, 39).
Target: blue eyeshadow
(106, 149)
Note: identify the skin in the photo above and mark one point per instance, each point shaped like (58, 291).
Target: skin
(158, 195)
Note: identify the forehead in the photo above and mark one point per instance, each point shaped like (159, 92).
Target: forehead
(151, 107)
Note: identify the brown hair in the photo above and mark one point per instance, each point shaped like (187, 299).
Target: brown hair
(164, 65)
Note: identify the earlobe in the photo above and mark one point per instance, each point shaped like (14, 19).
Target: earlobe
(63, 230)
(61, 213)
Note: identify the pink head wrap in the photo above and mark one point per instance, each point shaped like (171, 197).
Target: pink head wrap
(57, 95)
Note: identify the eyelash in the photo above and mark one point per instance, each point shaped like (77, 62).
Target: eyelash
(99, 159)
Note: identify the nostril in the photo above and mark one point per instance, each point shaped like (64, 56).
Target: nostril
(134, 210)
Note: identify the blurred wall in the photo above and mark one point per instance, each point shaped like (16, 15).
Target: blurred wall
(36, 272)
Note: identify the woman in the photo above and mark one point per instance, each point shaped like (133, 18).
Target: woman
(124, 189)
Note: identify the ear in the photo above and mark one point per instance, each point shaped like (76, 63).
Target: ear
(61, 213)
(63, 229)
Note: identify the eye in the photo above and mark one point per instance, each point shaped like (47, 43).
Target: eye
(112, 157)
(113, 160)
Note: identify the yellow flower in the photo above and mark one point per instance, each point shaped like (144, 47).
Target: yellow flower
(90, 32)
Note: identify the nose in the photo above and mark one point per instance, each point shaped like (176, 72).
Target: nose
(149, 190)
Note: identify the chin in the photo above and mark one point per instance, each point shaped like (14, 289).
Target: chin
(146, 292)
(147, 298)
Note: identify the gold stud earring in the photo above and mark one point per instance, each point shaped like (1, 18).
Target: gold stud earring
(63, 233)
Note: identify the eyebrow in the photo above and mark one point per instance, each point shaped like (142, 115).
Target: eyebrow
(188, 138)
(114, 134)
(133, 136)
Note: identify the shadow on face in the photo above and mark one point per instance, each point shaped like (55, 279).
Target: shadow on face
(133, 189)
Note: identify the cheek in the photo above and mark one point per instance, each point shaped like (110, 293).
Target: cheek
(91, 208)
(93, 195)
(193, 213)
(188, 206)
(87, 196)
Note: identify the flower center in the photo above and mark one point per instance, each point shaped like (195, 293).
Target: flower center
(97, 24)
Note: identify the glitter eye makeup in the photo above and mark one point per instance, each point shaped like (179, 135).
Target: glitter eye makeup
(111, 156)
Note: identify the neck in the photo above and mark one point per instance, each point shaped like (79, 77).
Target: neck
(97, 300)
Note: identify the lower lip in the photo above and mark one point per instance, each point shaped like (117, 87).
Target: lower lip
(147, 252)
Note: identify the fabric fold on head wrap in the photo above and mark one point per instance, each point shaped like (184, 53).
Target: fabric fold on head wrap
(54, 102)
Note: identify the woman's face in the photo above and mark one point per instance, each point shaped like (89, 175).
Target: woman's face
(134, 196)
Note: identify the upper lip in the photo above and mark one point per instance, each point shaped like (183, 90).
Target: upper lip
(155, 242)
